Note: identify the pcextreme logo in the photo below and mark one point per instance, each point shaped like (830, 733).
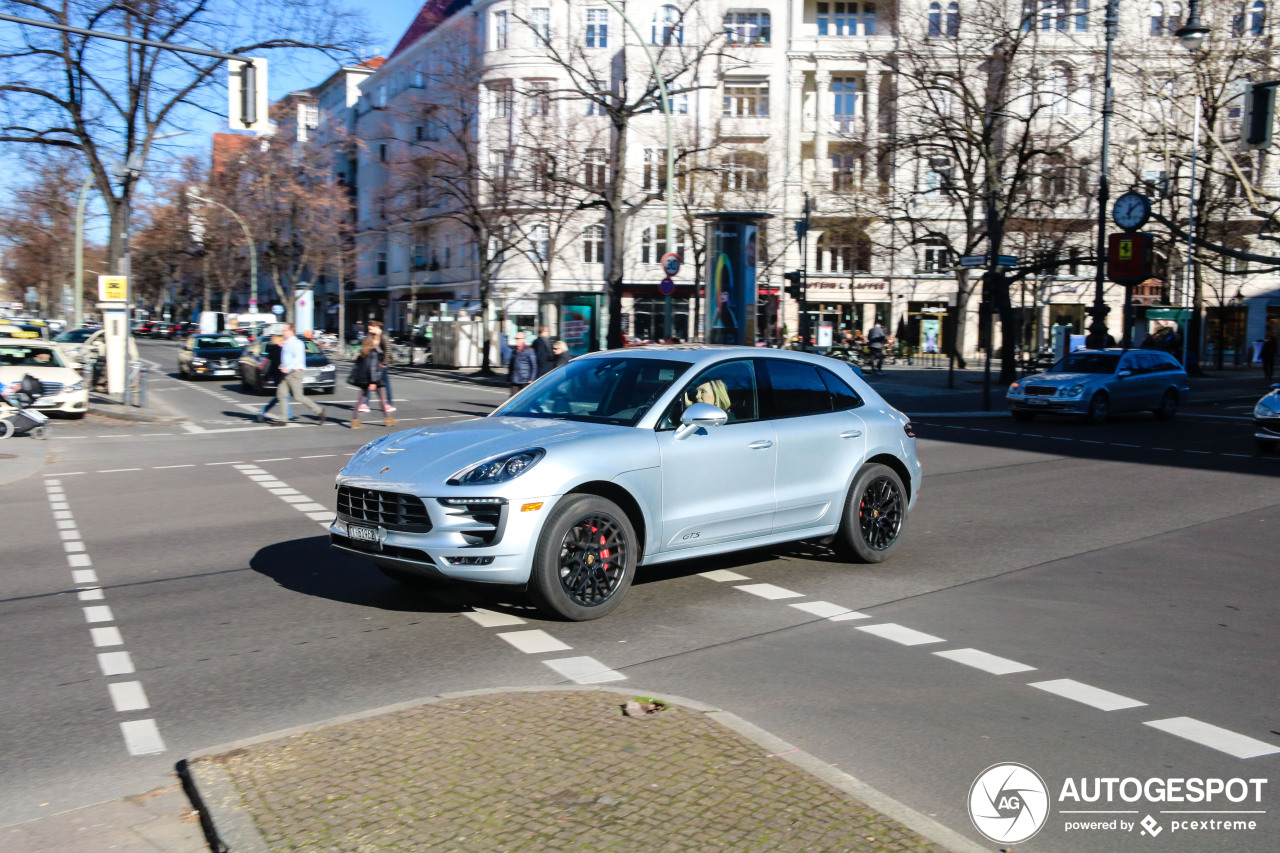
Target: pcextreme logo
(1008, 803)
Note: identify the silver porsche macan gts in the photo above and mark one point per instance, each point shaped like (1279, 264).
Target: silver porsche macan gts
(633, 457)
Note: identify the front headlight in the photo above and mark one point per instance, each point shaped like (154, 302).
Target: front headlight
(77, 386)
(499, 469)
(1073, 391)
(1015, 390)
(326, 368)
(197, 362)
(1263, 410)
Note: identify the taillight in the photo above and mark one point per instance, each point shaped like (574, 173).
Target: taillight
(908, 430)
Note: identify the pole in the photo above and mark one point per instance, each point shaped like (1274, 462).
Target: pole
(671, 156)
(1098, 330)
(78, 286)
(253, 249)
(1191, 240)
(804, 279)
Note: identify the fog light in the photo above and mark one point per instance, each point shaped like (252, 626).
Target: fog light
(468, 561)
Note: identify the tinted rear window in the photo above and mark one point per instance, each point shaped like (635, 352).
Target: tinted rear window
(797, 389)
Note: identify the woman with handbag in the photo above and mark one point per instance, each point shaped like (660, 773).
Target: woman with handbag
(366, 375)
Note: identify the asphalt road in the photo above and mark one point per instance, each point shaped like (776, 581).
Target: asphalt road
(1129, 566)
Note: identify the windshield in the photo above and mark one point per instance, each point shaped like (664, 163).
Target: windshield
(216, 342)
(598, 390)
(75, 336)
(1087, 362)
(20, 356)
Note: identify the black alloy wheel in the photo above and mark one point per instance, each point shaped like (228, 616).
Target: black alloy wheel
(874, 515)
(1168, 405)
(585, 559)
(1099, 408)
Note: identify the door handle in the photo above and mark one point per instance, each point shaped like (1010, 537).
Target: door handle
(762, 444)
(853, 433)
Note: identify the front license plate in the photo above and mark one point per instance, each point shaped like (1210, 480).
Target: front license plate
(224, 373)
(364, 533)
(1034, 402)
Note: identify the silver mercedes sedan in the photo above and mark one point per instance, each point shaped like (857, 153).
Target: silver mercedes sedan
(634, 457)
(1095, 383)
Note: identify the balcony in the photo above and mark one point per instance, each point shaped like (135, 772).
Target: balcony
(745, 126)
(743, 57)
(837, 127)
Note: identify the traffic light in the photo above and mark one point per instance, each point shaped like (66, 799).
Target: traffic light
(1259, 114)
(793, 283)
(247, 95)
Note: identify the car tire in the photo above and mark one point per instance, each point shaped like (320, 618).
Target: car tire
(1168, 405)
(1099, 408)
(567, 577)
(872, 538)
(1264, 445)
(1024, 417)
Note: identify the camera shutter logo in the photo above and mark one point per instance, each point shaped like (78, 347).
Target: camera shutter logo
(1008, 803)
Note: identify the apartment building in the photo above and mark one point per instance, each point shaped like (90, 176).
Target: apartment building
(873, 122)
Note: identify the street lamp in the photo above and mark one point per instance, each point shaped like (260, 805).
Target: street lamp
(1192, 36)
(253, 249)
(1098, 329)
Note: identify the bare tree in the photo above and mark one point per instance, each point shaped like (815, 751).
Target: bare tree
(38, 228)
(110, 101)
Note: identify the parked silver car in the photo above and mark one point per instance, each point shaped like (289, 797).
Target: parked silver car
(1095, 383)
(1266, 421)
(628, 458)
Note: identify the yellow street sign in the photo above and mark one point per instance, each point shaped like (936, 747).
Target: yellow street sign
(113, 287)
(1126, 250)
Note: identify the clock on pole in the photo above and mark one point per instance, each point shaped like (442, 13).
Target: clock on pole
(1131, 211)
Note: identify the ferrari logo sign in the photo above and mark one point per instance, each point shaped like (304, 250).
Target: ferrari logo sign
(1125, 249)
(113, 287)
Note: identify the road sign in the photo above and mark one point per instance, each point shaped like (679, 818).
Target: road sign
(113, 287)
(1007, 260)
(277, 310)
(973, 261)
(667, 286)
(670, 263)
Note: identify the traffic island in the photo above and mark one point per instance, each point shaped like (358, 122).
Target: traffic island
(543, 769)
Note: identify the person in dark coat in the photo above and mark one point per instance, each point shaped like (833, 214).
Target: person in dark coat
(523, 368)
(542, 351)
(1268, 356)
(271, 373)
(560, 354)
(366, 376)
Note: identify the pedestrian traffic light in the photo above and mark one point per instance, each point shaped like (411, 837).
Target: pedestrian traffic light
(793, 283)
(1259, 114)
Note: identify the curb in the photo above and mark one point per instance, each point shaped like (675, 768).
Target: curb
(229, 826)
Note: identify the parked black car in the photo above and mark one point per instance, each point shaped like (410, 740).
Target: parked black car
(208, 355)
(253, 368)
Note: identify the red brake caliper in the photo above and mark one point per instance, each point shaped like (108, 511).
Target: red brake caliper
(604, 553)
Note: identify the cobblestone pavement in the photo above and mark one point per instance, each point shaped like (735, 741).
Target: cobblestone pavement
(543, 771)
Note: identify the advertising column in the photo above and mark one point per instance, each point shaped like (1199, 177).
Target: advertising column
(113, 296)
(732, 239)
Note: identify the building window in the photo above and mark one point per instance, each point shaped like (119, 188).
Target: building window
(679, 104)
(744, 170)
(382, 152)
(543, 165)
(937, 175)
(1053, 181)
(843, 253)
(597, 169)
(653, 244)
(1058, 90)
(844, 109)
(596, 103)
(419, 256)
(1156, 182)
(597, 34)
(539, 243)
(746, 101)
(1165, 20)
(654, 176)
(499, 167)
(502, 100)
(1053, 16)
(1253, 22)
(846, 19)
(539, 98)
(747, 27)
(593, 244)
(667, 26)
(310, 116)
(1082, 16)
(382, 263)
(944, 23)
(935, 257)
(846, 169)
(540, 23)
(499, 30)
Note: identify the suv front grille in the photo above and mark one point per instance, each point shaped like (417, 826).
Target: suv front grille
(390, 509)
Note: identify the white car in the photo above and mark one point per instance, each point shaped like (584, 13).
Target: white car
(64, 387)
(630, 458)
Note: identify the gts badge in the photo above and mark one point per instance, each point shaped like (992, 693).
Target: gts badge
(688, 536)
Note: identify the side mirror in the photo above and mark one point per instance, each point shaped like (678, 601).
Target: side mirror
(1124, 373)
(700, 415)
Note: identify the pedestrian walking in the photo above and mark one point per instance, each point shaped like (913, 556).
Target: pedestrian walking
(560, 354)
(366, 375)
(876, 339)
(523, 367)
(542, 350)
(1268, 356)
(385, 360)
(293, 369)
(270, 369)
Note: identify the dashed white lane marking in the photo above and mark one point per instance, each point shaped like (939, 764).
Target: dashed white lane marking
(117, 470)
(900, 634)
(164, 467)
(584, 670)
(825, 609)
(491, 619)
(1223, 740)
(986, 662)
(722, 575)
(1239, 455)
(1118, 444)
(128, 696)
(277, 459)
(1091, 441)
(1205, 452)
(534, 642)
(142, 737)
(845, 617)
(1103, 700)
(319, 456)
(769, 591)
